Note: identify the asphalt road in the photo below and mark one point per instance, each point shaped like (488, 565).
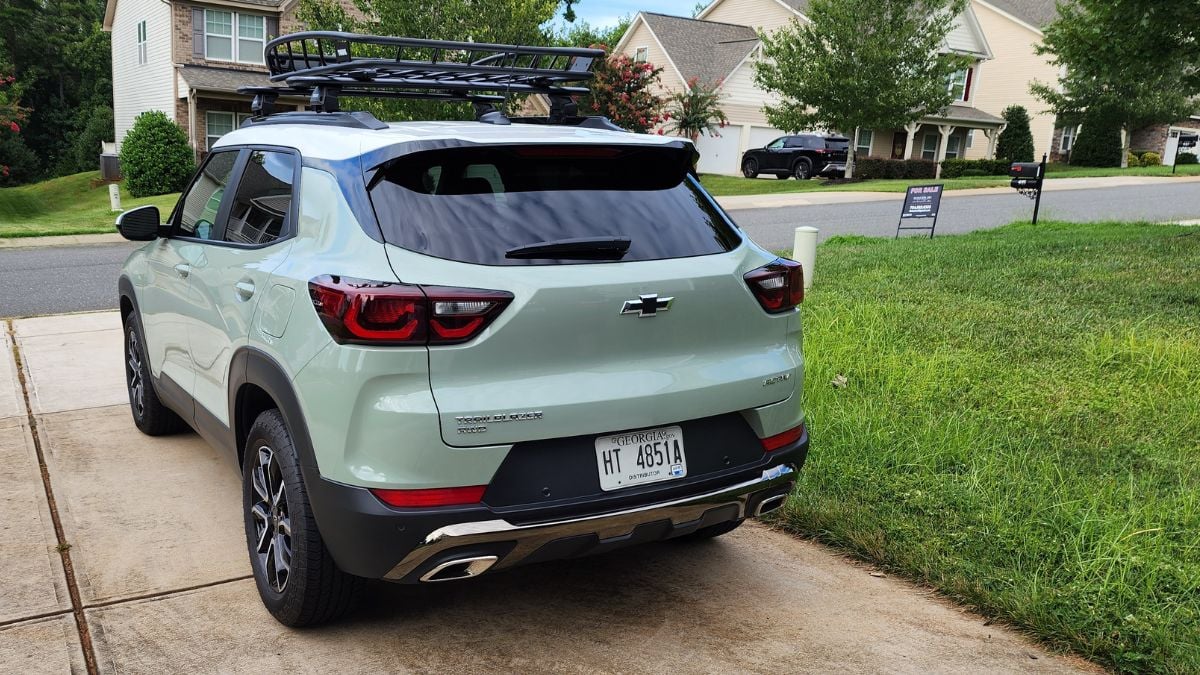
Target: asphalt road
(77, 278)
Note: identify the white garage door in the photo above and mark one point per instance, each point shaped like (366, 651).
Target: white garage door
(719, 154)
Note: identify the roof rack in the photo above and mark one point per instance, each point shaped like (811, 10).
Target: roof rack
(326, 65)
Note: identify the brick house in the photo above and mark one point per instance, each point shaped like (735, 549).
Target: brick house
(188, 59)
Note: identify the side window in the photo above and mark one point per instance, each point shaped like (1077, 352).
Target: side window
(776, 144)
(259, 214)
(794, 142)
(203, 199)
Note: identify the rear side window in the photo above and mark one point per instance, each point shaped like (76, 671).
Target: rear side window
(475, 204)
(837, 144)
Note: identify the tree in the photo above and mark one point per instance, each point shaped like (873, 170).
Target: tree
(1099, 144)
(696, 111)
(584, 34)
(1128, 63)
(155, 156)
(860, 64)
(623, 91)
(1016, 141)
(18, 164)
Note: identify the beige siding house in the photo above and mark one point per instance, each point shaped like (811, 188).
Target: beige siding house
(720, 45)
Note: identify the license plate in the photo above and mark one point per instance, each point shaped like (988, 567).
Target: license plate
(640, 457)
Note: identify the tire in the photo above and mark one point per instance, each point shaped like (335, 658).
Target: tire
(297, 579)
(151, 416)
(802, 170)
(712, 531)
(750, 168)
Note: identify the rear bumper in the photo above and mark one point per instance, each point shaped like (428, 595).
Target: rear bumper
(371, 540)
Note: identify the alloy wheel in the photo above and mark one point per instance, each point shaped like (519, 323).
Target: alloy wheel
(750, 168)
(272, 521)
(133, 374)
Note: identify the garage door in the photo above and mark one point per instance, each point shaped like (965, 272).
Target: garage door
(719, 154)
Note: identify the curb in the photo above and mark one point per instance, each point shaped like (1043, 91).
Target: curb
(62, 240)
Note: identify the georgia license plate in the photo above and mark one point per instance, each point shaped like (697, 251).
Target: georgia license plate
(640, 457)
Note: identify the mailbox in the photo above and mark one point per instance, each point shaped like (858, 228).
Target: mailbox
(1025, 170)
(1026, 183)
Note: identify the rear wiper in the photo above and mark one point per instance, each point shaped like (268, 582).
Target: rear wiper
(579, 248)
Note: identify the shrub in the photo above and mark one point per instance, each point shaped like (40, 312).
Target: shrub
(86, 149)
(1187, 158)
(155, 156)
(1016, 141)
(957, 168)
(18, 164)
(1099, 144)
(1132, 160)
(1151, 159)
(873, 168)
(972, 173)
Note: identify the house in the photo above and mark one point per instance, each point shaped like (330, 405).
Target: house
(721, 45)
(188, 59)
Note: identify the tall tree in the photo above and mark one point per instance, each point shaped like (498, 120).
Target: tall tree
(1016, 141)
(860, 64)
(584, 34)
(1125, 62)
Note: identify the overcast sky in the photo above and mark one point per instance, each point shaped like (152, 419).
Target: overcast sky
(607, 12)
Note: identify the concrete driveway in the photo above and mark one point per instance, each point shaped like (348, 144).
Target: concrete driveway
(154, 573)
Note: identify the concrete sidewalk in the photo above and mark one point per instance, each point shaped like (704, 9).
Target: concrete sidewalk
(157, 576)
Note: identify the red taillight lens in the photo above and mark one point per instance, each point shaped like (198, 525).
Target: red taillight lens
(455, 496)
(779, 285)
(357, 311)
(773, 443)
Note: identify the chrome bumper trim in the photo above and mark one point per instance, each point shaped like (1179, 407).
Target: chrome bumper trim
(530, 538)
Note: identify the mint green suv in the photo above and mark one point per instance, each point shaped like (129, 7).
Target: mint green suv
(439, 349)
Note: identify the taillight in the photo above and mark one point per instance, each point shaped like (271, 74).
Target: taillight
(773, 443)
(778, 285)
(358, 311)
(455, 496)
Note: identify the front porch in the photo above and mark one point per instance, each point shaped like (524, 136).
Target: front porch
(961, 132)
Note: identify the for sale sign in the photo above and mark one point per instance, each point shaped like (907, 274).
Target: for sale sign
(922, 201)
(1188, 140)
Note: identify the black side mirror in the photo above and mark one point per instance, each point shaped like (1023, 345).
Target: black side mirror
(140, 224)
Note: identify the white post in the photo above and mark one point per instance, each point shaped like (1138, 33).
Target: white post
(114, 197)
(804, 251)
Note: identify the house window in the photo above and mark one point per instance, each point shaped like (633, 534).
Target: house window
(960, 85)
(970, 137)
(952, 147)
(221, 44)
(217, 124)
(141, 43)
(929, 146)
(865, 136)
(1068, 139)
(641, 54)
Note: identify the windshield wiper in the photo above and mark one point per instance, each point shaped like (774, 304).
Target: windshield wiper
(580, 248)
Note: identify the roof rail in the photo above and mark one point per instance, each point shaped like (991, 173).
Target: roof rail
(324, 65)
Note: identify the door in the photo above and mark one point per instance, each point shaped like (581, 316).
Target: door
(252, 237)
(775, 157)
(899, 142)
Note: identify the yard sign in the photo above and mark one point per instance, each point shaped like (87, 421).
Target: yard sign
(920, 201)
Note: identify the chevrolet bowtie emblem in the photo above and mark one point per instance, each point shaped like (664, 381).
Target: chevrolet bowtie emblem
(647, 305)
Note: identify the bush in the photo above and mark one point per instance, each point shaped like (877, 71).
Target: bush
(1132, 160)
(1151, 159)
(1187, 158)
(1099, 144)
(155, 156)
(86, 149)
(958, 168)
(1016, 141)
(872, 168)
(18, 164)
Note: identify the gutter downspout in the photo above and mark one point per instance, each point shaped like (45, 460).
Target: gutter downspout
(192, 120)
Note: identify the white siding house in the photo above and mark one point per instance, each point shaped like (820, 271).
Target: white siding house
(143, 73)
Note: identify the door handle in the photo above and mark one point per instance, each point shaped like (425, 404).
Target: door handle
(245, 289)
(183, 269)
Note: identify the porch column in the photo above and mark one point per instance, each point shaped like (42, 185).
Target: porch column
(911, 128)
(945, 130)
(993, 135)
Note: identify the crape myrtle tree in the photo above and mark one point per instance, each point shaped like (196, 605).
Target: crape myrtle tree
(1016, 141)
(623, 90)
(1129, 63)
(860, 64)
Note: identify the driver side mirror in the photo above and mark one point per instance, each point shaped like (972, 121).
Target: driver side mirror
(140, 224)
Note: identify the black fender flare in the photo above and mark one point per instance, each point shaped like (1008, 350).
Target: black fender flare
(253, 366)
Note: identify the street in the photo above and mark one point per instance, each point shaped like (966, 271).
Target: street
(78, 278)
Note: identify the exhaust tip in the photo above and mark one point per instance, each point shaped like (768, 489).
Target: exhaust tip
(770, 504)
(460, 568)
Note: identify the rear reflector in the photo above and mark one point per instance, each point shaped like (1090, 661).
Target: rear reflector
(778, 285)
(773, 443)
(454, 496)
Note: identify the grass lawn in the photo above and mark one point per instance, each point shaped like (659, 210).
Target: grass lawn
(1019, 427)
(67, 205)
(724, 186)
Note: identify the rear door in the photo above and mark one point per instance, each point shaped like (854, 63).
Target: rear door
(668, 332)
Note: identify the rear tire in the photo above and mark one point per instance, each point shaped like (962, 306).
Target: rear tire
(297, 579)
(750, 168)
(151, 416)
(802, 170)
(712, 531)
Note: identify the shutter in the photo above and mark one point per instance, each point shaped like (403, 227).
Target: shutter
(272, 27)
(198, 33)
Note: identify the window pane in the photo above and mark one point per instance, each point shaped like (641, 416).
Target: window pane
(250, 51)
(250, 26)
(865, 137)
(264, 199)
(218, 48)
(218, 23)
(203, 200)
(219, 123)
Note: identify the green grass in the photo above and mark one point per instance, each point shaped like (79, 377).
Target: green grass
(1019, 428)
(67, 205)
(725, 186)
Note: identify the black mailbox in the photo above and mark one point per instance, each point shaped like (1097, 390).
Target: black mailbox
(1026, 183)
(1025, 170)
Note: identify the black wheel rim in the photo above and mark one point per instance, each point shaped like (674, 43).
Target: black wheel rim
(272, 522)
(801, 171)
(133, 374)
(750, 168)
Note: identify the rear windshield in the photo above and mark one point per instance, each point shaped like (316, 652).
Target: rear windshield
(475, 204)
(837, 143)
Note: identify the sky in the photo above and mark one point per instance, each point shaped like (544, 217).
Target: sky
(607, 12)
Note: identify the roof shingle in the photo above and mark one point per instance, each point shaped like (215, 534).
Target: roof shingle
(1037, 13)
(705, 50)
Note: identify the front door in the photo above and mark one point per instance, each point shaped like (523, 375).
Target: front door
(899, 141)
(251, 239)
